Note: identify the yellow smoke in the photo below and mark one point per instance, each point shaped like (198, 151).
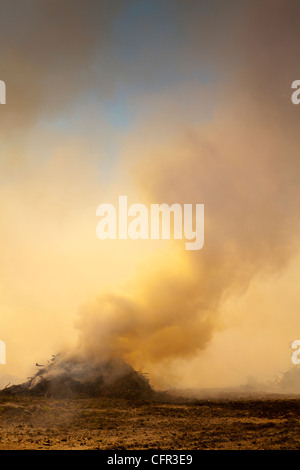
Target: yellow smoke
(182, 316)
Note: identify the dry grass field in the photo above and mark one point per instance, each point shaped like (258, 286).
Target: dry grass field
(81, 423)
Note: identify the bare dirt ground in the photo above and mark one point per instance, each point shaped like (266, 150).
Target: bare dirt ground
(47, 423)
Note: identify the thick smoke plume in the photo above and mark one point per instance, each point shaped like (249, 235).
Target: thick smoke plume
(174, 101)
(243, 167)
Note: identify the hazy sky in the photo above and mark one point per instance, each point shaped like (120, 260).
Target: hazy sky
(165, 101)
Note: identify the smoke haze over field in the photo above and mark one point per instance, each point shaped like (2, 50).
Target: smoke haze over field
(186, 103)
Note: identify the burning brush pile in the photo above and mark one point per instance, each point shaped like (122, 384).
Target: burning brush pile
(76, 377)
